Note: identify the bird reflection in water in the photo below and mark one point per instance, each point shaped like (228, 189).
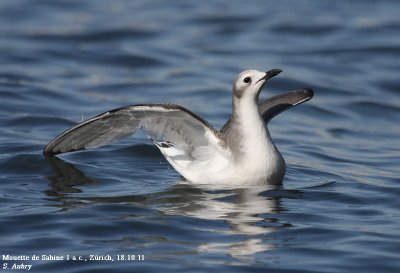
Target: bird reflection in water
(252, 212)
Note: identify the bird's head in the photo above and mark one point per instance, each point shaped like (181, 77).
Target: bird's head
(250, 82)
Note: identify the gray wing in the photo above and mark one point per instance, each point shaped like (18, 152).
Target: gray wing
(165, 124)
(275, 105)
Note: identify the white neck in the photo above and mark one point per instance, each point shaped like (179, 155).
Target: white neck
(257, 152)
(251, 127)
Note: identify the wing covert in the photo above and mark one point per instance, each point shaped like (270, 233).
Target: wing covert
(173, 123)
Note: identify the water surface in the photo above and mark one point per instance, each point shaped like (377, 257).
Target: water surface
(64, 61)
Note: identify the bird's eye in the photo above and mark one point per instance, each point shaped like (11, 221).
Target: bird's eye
(247, 80)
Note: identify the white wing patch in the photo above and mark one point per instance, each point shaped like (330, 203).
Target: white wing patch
(187, 141)
(188, 145)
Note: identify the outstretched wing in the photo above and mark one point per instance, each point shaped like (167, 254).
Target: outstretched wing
(170, 126)
(275, 105)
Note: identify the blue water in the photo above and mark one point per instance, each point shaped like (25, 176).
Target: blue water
(338, 208)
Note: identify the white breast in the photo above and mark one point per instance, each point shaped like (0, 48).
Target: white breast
(260, 161)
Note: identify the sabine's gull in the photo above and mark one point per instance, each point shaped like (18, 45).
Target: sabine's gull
(242, 152)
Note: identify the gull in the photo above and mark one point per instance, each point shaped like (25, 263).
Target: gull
(242, 152)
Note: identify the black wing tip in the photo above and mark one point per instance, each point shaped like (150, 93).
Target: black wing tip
(49, 152)
(309, 92)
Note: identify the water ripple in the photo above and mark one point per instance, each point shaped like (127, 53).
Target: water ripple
(65, 61)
